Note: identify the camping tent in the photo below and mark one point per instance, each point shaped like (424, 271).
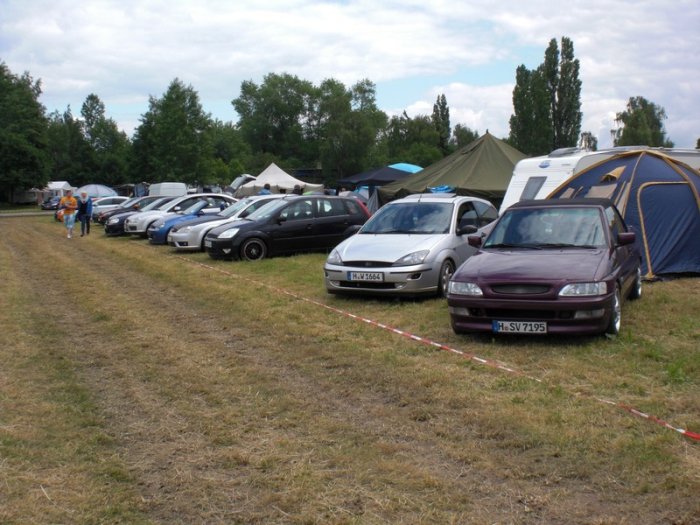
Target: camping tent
(95, 191)
(482, 168)
(375, 177)
(58, 187)
(658, 196)
(278, 179)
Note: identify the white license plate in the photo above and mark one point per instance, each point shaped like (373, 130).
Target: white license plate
(207, 244)
(375, 277)
(520, 327)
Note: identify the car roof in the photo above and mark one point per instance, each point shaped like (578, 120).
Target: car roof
(590, 202)
(439, 197)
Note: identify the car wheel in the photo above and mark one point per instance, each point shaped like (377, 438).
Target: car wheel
(616, 314)
(636, 291)
(447, 270)
(253, 249)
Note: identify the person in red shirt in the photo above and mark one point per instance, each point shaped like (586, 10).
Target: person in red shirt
(68, 204)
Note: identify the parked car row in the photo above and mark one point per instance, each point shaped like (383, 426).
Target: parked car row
(549, 266)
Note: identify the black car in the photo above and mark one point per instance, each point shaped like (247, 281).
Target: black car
(114, 225)
(51, 203)
(289, 225)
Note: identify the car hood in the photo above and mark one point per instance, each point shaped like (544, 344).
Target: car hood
(385, 247)
(535, 265)
(193, 221)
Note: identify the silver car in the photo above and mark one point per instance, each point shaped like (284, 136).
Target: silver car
(411, 246)
(189, 235)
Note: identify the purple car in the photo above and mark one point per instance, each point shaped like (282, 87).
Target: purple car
(548, 266)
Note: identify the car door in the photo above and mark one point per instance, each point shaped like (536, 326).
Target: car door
(332, 222)
(292, 229)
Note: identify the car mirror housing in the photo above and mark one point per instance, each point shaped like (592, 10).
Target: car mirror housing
(625, 238)
(468, 229)
(474, 240)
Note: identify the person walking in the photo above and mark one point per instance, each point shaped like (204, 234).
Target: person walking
(68, 204)
(84, 213)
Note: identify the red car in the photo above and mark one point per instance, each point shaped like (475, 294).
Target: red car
(548, 266)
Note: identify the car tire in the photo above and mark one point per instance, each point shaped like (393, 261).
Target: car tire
(616, 314)
(447, 270)
(253, 249)
(636, 291)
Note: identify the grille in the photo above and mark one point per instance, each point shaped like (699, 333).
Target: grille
(521, 289)
(367, 264)
(366, 285)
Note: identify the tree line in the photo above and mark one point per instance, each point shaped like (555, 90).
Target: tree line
(328, 130)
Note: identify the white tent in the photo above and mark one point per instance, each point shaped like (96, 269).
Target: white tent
(58, 187)
(279, 180)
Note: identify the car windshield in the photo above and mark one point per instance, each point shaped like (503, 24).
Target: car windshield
(411, 218)
(267, 210)
(194, 208)
(156, 204)
(557, 227)
(236, 207)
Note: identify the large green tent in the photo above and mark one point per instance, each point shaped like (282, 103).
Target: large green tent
(481, 169)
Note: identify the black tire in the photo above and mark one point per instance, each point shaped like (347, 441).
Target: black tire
(447, 270)
(253, 249)
(616, 314)
(636, 291)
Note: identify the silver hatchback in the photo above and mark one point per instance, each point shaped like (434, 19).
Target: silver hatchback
(411, 246)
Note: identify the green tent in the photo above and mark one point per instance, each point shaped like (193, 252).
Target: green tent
(481, 169)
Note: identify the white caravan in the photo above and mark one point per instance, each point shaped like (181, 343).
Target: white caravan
(537, 177)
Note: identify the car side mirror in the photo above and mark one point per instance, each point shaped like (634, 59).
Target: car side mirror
(467, 229)
(177, 208)
(474, 240)
(625, 238)
(281, 219)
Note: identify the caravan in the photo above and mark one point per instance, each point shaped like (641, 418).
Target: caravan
(537, 177)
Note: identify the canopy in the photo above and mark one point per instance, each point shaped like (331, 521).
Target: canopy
(278, 179)
(96, 190)
(659, 198)
(375, 177)
(482, 169)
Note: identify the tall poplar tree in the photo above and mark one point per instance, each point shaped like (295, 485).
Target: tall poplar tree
(441, 121)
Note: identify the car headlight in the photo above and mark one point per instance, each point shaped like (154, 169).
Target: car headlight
(412, 258)
(462, 288)
(186, 229)
(157, 225)
(228, 234)
(583, 289)
(113, 220)
(334, 257)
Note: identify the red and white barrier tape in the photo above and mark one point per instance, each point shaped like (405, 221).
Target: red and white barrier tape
(446, 348)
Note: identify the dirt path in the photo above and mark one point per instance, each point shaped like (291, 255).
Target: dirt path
(216, 416)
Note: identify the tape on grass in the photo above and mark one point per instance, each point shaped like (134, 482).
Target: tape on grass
(471, 357)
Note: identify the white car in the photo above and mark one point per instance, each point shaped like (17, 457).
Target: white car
(189, 235)
(410, 246)
(138, 223)
(103, 204)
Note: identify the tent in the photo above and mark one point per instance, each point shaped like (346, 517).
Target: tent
(58, 187)
(95, 191)
(278, 179)
(658, 196)
(482, 169)
(375, 177)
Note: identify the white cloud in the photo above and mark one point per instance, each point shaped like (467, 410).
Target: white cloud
(126, 50)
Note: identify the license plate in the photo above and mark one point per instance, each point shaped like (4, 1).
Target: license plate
(366, 276)
(520, 327)
(207, 244)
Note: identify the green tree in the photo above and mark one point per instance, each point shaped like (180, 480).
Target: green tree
(441, 121)
(24, 161)
(462, 135)
(110, 146)
(231, 153)
(547, 102)
(588, 141)
(278, 117)
(71, 155)
(641, 124)
(412, 140)
(173, 142)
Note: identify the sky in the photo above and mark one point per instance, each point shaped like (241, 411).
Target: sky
(126, 51)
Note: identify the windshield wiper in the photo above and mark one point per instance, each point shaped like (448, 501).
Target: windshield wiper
(522, 246)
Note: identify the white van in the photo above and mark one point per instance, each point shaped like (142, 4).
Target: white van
(537, 177)
(168, 189)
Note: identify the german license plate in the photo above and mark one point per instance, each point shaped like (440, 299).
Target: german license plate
(520, 327)
(207, 244)
(373, 277)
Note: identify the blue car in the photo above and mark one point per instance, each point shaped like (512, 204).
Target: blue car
(158, 231)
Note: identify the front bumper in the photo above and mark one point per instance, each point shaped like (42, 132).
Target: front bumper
(418, 279)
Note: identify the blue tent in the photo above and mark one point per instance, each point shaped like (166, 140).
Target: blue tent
(659, 197)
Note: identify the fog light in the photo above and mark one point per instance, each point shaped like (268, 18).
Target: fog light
(459, 310)
(589, 314)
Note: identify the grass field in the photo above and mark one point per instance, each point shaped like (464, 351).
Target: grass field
(142, 386)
